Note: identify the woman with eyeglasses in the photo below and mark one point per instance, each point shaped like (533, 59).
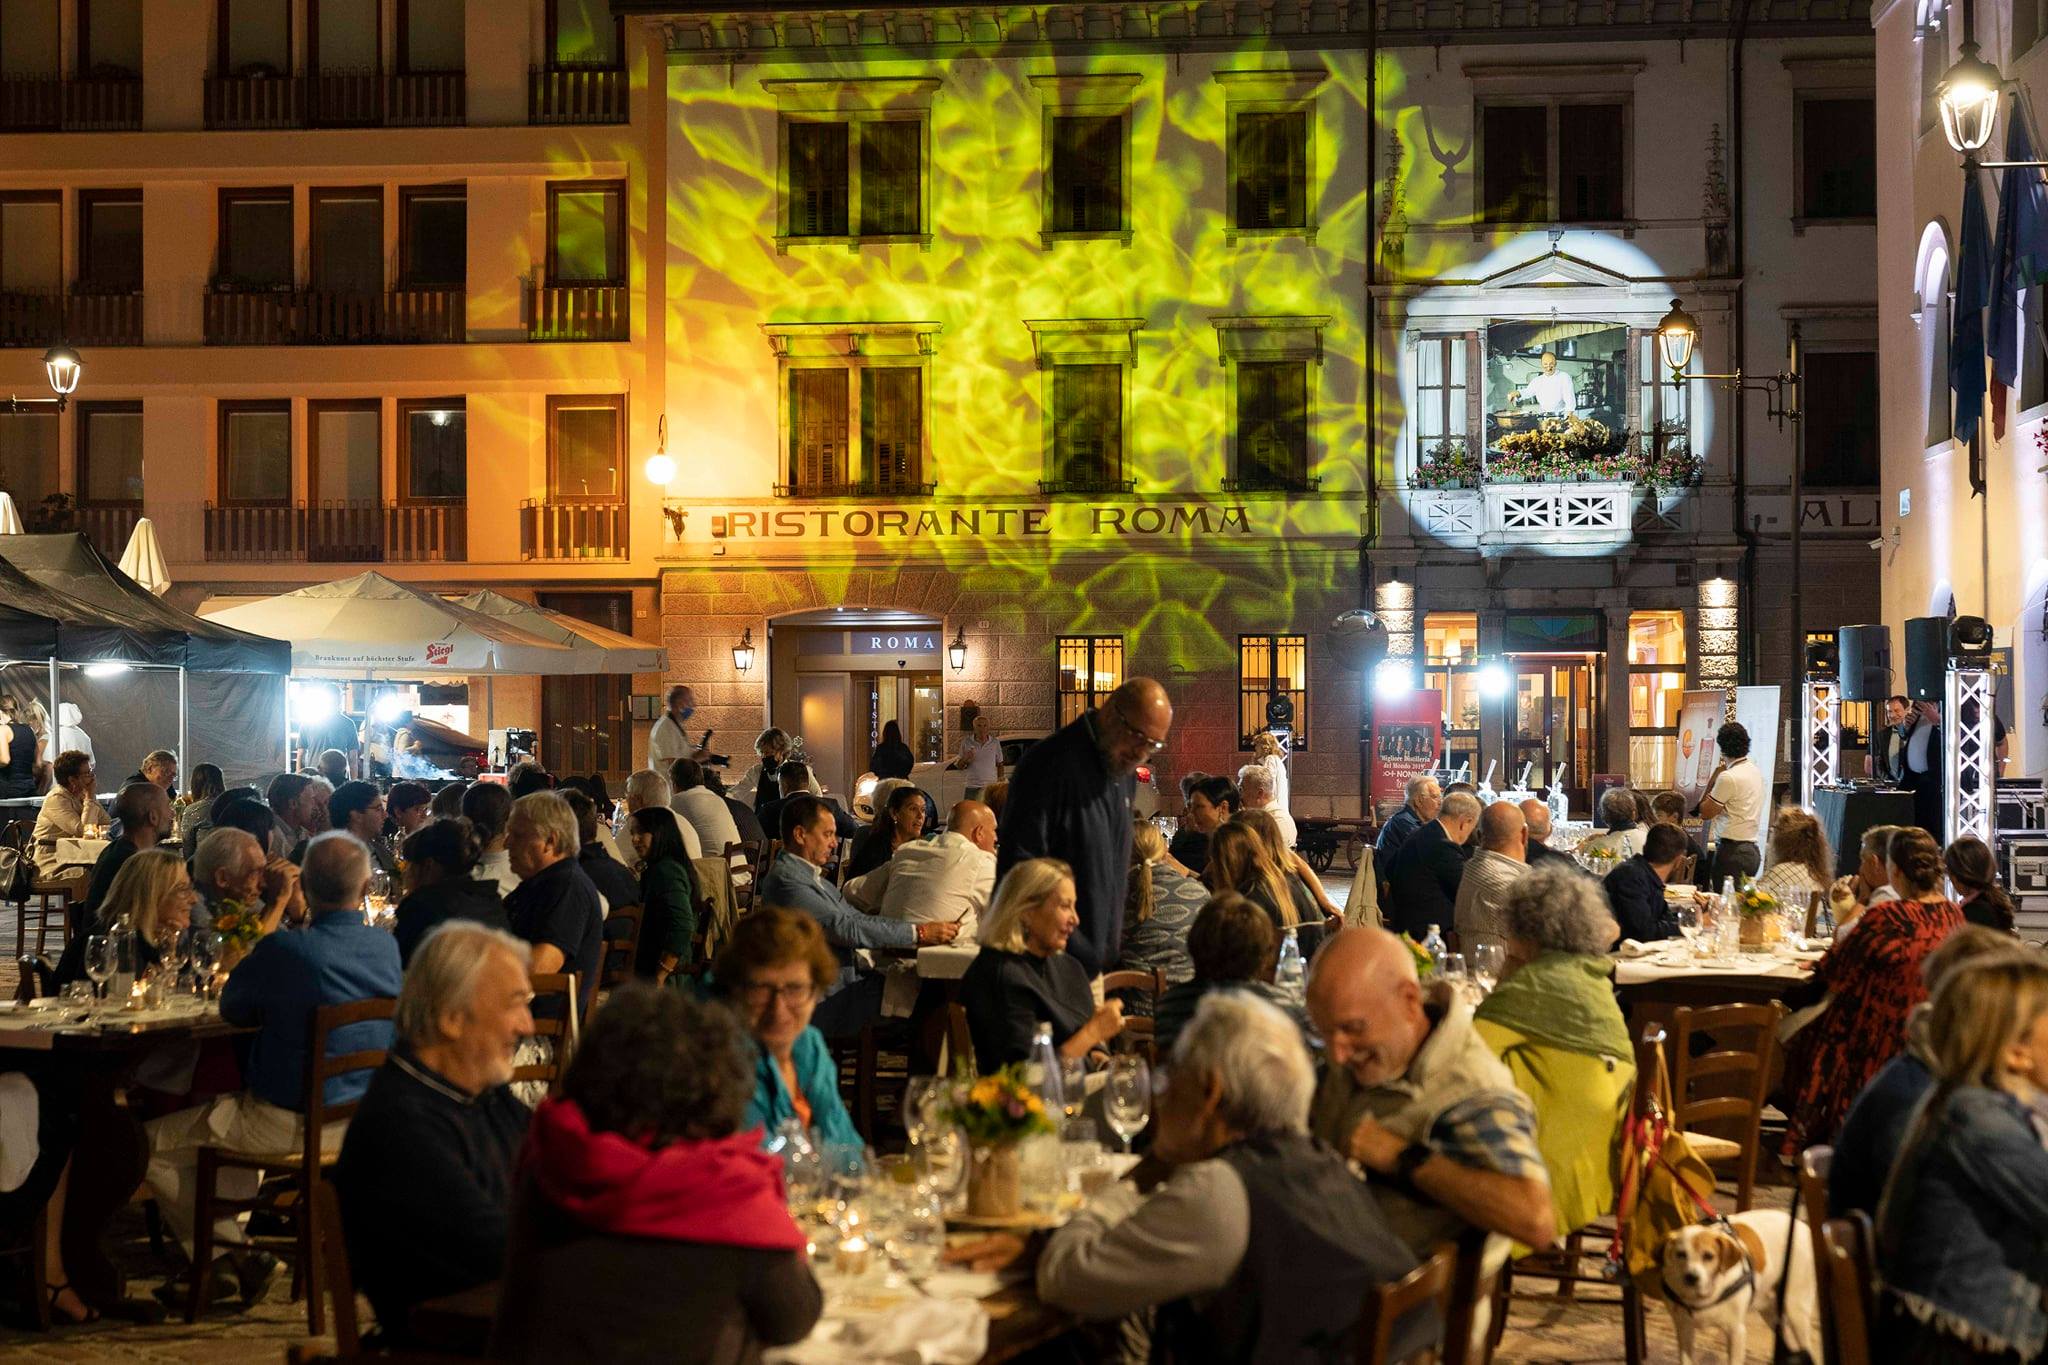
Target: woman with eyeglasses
(773, 971)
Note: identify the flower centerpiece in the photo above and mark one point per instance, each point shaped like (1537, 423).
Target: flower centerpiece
(239, 926)
(1762, 925)
(1447, 464)
(996, 1112)
(1600, 859)
(1425, 965)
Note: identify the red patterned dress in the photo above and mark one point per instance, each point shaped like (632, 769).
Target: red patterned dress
(1873, 975)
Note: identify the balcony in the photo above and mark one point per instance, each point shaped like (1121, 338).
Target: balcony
(576, 94)
(869, 489)
(423, 99)
(42, 104)
(255, 100)
(1090, 487)
(1266, 481)
(31, 317)
(1548, 518)
(339, 533)
(416, 315)
(572, 530)
(109, 526)
(577, 312)
(36, 318)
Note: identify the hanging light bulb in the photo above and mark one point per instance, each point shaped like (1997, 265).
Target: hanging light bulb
(661, 470)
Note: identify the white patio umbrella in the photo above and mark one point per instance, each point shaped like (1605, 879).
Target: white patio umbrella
(10, 518)
(602, 650)
(143, 560)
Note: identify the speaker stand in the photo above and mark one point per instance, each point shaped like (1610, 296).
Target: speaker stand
(1820, 736)
(1967, 753)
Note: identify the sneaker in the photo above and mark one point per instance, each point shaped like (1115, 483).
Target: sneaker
(226, 1284)
(258, 1270)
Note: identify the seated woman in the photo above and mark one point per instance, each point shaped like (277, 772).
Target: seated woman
(1238, 862)
(153, 893)
(648, 1225)
(439, 859)
(1964, 1217)
(773, 971)
(1233, 943)
(1260, 1245)
(1210, 802)
(1800, 863)
(1871, 980)
(1554, 1022)
(70, 811)
(898, 821)
(668, 894)
(1973, 872)
(892, 757)
(1022, 976)
(1159, 909)
(1850, 896)
(1313, 908)
(207, 784)
(1621, 834)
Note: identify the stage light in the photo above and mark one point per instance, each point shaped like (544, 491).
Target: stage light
(1391, 681)
(106, 670)
(1493, 681)
(312, 704)
(388, 708)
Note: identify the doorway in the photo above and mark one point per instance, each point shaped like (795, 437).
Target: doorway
(838, 676)
(1556, 719)
(584, 728)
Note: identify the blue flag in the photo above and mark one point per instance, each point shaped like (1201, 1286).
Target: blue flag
(1973, 292)
(2019, 259)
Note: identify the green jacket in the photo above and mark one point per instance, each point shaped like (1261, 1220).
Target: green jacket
(668, 913)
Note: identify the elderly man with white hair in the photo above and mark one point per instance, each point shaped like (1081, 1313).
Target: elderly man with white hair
(1425, 797)
(1260, 1245)
(1423, 878)
(1255, 792)
(645, 789)
(555, 907)
(425, 1175)
(231, 866)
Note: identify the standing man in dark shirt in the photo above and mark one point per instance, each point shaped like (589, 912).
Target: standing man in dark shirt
(425, 1175)
(554, 907)
(144, 812)
(1635, 890)
(1071, 799)
(1422, 881)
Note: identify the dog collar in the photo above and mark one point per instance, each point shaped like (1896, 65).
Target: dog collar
(1747, 1281)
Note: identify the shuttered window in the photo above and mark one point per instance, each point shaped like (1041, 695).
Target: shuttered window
(1272, 424)
(817, 428)
(890, 157)
(1087, 425)
(817, 179)
(891, 427)
(1271, 170)
(1088, 174)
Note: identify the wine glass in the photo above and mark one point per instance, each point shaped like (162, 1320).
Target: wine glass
(921, 1098)
(916, 1234)
(99, 963)
(1073, 1086)
(202, 949)
(1688, 924)
(171, 951)
(1488, 959)
(1127, 1098)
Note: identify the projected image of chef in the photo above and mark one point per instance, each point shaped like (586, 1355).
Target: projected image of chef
(1550, 393)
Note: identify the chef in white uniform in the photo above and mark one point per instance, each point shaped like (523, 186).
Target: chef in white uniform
(1551, 391)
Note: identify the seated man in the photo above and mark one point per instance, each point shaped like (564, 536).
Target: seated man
(159, 768)
(332, 764)
(1500, 861)
(339, 958)
(794, 777)
(1424, 799)
(1635, 890)
(1537, 815)
(230, 866)
(1259, 1245)
(1422, 880)
(554, 907)
(702, 809)
(947, 880)
(358, 807)
(1413, 1094)
(797, 882)
(616, 885)
(410, 804)
(425, 1175)
(1668, 808)
(144, 814)
(314, 820)
(1255, 790)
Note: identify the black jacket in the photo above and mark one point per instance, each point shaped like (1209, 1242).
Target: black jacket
(557, 906)
(1422, 882)
(612, 878)
(1065, 804)
(892, 760)
(1636, 895)
(456, 898)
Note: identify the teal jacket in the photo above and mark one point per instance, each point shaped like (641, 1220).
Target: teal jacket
(819, 1078)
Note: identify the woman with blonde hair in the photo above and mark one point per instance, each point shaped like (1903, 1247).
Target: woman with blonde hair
(1238, 862)
(1311, 902)
(1800, 864)
(1023, 974)
(1269, 753)
(154, 895)
(1160, 905)
(1963, 1222)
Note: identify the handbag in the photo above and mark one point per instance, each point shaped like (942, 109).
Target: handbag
(1665, 1186)
(16, 873)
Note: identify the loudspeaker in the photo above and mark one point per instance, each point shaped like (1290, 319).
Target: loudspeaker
(1926, 657)
(1866, 662)
(1823, 659)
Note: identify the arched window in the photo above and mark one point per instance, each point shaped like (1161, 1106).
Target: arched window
(1935, 315)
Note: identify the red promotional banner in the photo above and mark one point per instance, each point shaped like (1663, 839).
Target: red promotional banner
(1407, 734)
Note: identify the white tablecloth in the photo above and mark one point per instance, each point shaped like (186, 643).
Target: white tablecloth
(945, 961)
(80, 852)
(1677, 962)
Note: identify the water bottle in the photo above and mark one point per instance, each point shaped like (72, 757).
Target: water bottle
(1435, 946)
(126, 966)
(1288, 975)
(1042, 1070)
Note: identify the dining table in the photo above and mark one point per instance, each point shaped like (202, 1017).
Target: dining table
(1655, 982)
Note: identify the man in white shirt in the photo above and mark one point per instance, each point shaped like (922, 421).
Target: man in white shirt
(645, 789)
(945, 880)
(981, 755)
(1255, 792)
(700, 808)
(1550, 391)
(1736, 790)
(668, 741)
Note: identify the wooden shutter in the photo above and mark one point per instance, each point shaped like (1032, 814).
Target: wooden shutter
(1088, 423)
(890, 154)
(817, 428)
(891, 423)
(817, 179)
(1272, 423)
(1087, 174)
(1272, 170)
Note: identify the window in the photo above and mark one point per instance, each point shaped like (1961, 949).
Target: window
(817, 428)
(583, 717)
(1087, 427)
(584, 33)
(1272, 424)
(110, 454)
(892, 426)
(834, 166)
(2028, 24)
(433, 236)
(1270, 666)
(585, 449)
(1839, 393)
(1656, 687)
(818, 173)
(342, 36)
(1932, 34)
(110, 241)
(1090, 668)
(255, 38)
(433, 449)
(1838, 157)
(1666, 410)
(891, 172)
(31, 243)
(1450, 665)
(1554, 162)
(111, 38)
(586, 233)
(1934, 320)
(348, 241)
(28, 458)
(1087, 174)
(1269, 170)
(256, 243)
(345, 454)
(1441, 389)
(430, 36)
(256, 454)
(29, 37)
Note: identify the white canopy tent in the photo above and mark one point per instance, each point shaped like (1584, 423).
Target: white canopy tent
(597, 649)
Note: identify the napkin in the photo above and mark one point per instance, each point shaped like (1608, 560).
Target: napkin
(920, 1332)
(1632, 948)
(20, 1114)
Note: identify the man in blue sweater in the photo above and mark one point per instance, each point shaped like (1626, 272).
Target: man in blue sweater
(337, 959)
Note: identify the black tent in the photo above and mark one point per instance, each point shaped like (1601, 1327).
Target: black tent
(43, 622)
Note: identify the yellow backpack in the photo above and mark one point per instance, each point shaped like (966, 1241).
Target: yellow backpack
(1665, 1186)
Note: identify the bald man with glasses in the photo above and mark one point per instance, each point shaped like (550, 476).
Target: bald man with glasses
(1071, 799)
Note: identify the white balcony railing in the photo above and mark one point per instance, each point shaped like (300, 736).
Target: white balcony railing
(1547, 518)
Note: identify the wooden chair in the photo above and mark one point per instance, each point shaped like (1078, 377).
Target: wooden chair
(297, 1171)
(336, 1277)
(1386, 1305)
(1814, 1166)
(858, 1057)
(1363, 905)
(1682, 875)
(1476, 1276)
(31, 1248)
(1726, 1086)
(744, 859)
(960, 1040)
(621, 945)
(48, 903)
(1849, 1305)
(560, 1023)
(1138, 1032)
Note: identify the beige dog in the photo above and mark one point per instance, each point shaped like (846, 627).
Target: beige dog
(1715, 1273)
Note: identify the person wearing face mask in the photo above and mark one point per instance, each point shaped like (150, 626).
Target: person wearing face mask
(1071, 799)
(1024, 975)
(668, 741)
(425, 1173)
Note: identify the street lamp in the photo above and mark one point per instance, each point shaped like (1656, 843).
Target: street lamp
(63, 368)
(661, 470)
(743, 652)
(956, 653)
(1968, 96)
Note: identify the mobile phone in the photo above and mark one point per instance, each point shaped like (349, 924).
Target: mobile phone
(704, 739)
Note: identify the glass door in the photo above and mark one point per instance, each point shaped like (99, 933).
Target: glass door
(1557, 722)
